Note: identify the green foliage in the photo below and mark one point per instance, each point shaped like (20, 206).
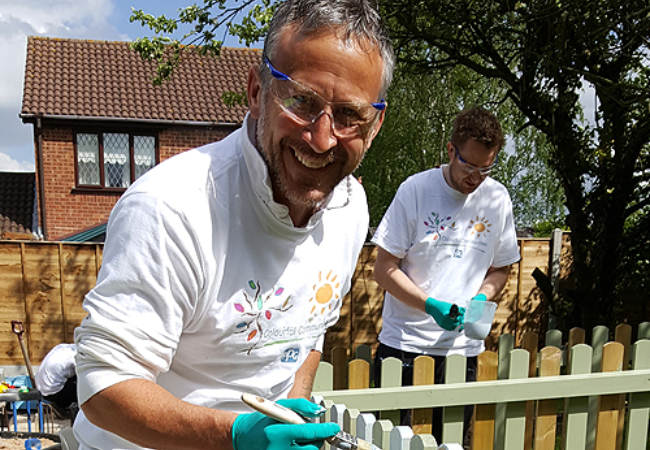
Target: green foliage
(202, 24)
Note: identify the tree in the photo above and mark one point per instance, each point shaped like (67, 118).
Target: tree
(543, 51)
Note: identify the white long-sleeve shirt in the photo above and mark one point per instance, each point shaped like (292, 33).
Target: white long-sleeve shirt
(208, 289)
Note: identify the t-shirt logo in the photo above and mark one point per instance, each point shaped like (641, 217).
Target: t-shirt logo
(327, 294)
(258, 307)
(437, 223)
(479, 227)
(290, 355)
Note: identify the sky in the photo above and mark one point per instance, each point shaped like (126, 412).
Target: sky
(79, 19)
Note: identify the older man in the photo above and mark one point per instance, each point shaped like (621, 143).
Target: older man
(224, 266)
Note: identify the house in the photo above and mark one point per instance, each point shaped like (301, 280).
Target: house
(18, 218)
(100, 123)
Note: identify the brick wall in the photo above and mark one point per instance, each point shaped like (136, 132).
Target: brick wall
(71, 210)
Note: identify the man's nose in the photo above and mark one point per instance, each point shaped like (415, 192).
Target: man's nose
(320, 133)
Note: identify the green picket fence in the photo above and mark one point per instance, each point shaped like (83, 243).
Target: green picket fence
(569, 395)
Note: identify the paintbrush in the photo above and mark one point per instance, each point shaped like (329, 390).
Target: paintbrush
(342, 439)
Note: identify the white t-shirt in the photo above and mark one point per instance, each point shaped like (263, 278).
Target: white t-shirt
(57, 367)
(208, 289)
(446, 241)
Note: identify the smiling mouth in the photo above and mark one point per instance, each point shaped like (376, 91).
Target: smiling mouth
(313, 164)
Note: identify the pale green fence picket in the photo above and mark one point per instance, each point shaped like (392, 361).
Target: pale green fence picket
(515, 421)
(639, 405)
(577, 409)
(506, 345)
(452, 428)
(391, 377)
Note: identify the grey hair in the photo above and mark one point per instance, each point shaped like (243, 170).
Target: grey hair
(359, 19)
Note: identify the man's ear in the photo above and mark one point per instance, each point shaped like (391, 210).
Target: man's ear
(254, 91)
(375, 129)
(450, 150)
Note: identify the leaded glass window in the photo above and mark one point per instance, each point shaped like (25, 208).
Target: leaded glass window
(113, 160)
(144, 154)
(88, 158)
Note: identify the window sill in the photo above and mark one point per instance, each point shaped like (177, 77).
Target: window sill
(98, 191)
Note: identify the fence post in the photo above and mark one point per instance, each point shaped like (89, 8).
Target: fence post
(506, 345)
(323, 381)
(639, 405)
(453, 416)
(577, 409)
(391, 376)
(365, 423)
(423, 374)
(423, 442)
(623, 334)
(516, 411)
(381, 433)
(483, 432)
(400, 438)
(545, 426)
(340, 363)
(529, 343)
(556, 255)
(359, 374)
(599, 337)
(608, 405)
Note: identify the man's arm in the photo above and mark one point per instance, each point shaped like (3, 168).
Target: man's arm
(305, 376)
(495, 280)
(390, 277)
(146, 414)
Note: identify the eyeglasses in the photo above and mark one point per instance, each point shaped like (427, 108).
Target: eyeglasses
(471, 169)
(305, 107)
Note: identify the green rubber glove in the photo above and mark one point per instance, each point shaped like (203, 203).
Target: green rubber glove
(440, 311)
(480, 297)
(255, 431)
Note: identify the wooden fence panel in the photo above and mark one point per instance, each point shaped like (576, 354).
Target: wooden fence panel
(44, 320)
(12, 304)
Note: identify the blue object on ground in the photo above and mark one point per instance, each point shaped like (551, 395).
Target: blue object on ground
(33, 444)
(20, 381)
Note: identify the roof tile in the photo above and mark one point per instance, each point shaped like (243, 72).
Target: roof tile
(71, 77)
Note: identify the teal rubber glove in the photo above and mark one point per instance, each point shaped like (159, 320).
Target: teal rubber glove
(255, 431)
(480, 297)
(440, 311)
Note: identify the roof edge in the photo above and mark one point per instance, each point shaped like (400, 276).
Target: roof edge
(31, 117)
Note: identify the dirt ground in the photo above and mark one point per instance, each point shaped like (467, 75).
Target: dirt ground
(19, 444)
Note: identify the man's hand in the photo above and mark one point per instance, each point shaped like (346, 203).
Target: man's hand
(255, 431)
(440, 311)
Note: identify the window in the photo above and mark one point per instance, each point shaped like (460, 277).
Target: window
(113, 160)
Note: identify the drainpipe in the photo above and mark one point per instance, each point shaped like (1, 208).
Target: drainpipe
(41, 187)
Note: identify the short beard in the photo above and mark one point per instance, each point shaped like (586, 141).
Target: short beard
(272, 163)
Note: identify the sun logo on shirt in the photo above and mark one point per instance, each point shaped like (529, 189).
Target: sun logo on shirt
(326, 295)
(480, 227)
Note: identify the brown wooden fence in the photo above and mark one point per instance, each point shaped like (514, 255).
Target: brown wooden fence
(43, 285)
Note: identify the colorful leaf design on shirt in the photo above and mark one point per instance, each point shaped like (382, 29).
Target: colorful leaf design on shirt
(239, 307)
(252, 335)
